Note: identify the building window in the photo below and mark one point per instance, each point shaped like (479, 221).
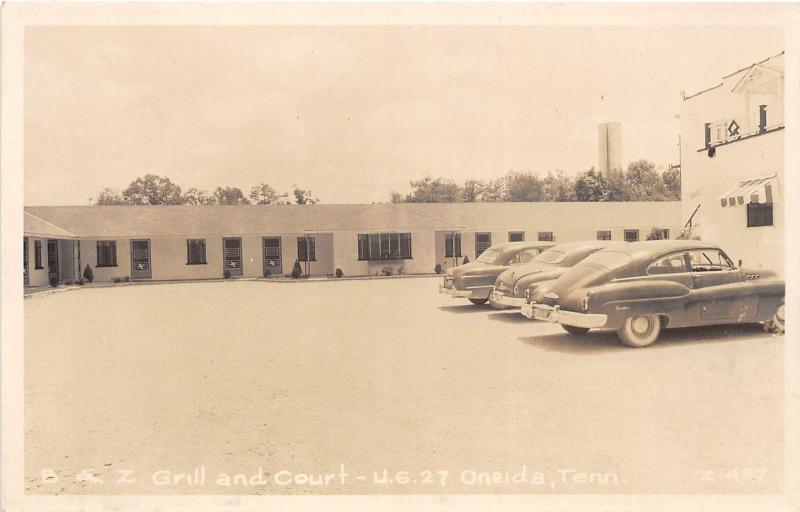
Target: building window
(25, 257)
(631, 235)
(106, 253)
(604, 235)
(482, 242)
(195, 252)
(385, 246)
(306, 248)
(660, 234)
(516, 236)
(546, 236)
(37, 254)
(452, 245)
(759, 214)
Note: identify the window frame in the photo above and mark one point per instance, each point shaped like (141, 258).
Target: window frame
(478, 250)
(521, 235)
(720, 252)
(311, 247)
(546, 236)
(625, 235)
(684, 256)
(760, 215)
(395, 243)
(189, 251)
(604, 231)
(112, 244)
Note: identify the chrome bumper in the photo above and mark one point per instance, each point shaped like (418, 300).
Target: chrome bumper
(454, 292)
(557, 315)
(498, 298)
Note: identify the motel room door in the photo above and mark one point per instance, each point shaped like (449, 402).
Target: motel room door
(52, 260)
(272, 256)
(232, 256)
(140, 259)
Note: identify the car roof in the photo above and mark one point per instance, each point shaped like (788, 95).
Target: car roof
(650, 249)
(510, 246)
(584, 244)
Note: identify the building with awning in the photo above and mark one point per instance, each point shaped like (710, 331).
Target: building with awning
(732, 164)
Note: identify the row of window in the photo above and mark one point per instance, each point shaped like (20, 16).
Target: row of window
(378, 246)
(452, 241)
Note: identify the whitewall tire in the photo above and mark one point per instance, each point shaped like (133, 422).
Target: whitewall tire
(640, 331)
(778, 322)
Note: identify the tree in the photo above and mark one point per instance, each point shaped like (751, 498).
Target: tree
(672, 180)
(524, 186)
(302, 196)
(472, 190)
(196, 196)
(152, 189)
(109, 196)
(591, 186)
(397, 197)
(494, 191)
(429, 190)
(618, 188)
(265, 194)
(559, 187)
(644, 182)
(656, 234)
(229, 195)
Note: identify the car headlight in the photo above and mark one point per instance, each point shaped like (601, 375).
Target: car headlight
(585, 303)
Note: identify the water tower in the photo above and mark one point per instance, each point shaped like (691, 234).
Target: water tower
(609, 151)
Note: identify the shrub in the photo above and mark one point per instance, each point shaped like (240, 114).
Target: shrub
(438, 268)
(267, 272)
(80, 281)
(655, 234)
(687, 234)
(54, 281)
(226, 274)
(116, 279)
(88, 274)
(126, 279)
(466, 260)
(339, 273)
(297, 272)
(388, 271)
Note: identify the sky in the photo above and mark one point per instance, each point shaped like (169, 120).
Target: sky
(353, 113)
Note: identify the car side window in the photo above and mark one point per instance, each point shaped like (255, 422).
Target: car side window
(514, 259)
(672, 264)
(528, 255)
(709, 260)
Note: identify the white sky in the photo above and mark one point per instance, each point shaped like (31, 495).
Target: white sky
(354, 112)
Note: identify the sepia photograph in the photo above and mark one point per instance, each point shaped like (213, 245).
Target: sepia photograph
(400, 251)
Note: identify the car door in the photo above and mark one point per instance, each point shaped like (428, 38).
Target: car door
(721, 291)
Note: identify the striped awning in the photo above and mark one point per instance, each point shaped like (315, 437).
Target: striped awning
(755, 190)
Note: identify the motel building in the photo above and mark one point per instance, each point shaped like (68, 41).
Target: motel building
(732, 164)
(203, 242)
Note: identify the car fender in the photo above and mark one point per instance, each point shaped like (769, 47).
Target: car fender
(620, 300)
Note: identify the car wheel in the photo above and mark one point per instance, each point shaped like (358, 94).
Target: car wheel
(778, 322)
(574, 330)
(640, 331)
(478, 302)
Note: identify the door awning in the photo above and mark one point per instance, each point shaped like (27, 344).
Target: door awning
(754, 190)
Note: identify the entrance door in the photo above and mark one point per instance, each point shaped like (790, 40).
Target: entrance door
(272, 256)
(140, 259)
(52, 260)
(232, 255)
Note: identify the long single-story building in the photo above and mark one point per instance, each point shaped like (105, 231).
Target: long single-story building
(208, 242)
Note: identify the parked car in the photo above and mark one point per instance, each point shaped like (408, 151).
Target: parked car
(509, 289)
(475, 280)
(639, 288)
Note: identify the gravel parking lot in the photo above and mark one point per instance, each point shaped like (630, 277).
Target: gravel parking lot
(141, 384)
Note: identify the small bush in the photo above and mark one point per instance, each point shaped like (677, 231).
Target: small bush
(466, 260)
(226, 274)
(339, 273)
(267, 273)
(438, 268)
(126, 279)
(116, 279)
(297, 272)
(88, 274)
(80, 281)
(54, 281)
(388, 271)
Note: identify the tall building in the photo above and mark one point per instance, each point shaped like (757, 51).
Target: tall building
(609, 149)
(732, 140)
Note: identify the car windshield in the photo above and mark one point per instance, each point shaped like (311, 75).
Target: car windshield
(608, 259)
(488, 256)
(551, 256)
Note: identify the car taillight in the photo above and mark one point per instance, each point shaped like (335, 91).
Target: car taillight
(585, 303)
(528, 295)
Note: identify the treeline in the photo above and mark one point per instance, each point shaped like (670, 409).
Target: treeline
(640, 182)
(157, 190)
